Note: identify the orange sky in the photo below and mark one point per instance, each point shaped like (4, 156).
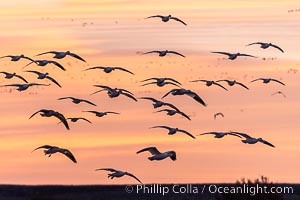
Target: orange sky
(111, 33)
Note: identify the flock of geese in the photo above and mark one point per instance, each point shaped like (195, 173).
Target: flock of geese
(166, 107)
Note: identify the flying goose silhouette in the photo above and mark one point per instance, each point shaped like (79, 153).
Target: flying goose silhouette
(183, 91)
(233, 56)
(162, 81)
(17, 58)
(166, 18)
(11, 75)
(157, 155)
(109, 69)
(53, 149)
(233, 82)
(101, 114)
(22, 87)
(77, 101)
(265, 45)
(164, 53)
(44, 76)
(220, 134)
(172, 131)
(52, 113)
(279, 92)
(218, 114)
(112, 93)
(60, 55)
(43, 63)
(118, 174)
(268, 80)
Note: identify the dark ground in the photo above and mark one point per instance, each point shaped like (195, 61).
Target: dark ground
(115, 192)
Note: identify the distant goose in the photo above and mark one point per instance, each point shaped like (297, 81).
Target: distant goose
(164, 53)
(118, 174)
(279, 92)
(75, 119)
(157, 155)
(60, 55)
(183, 91)
(264, 45)
(218, 114)
(11, 75)
(52, 113)
(112, 93)
(251, 140)
(167, 18)
(220, 134)
(101, 114)
(46, 62)
(210, 83)
(157, 103)
(77, 101)
(173, 112)
(44, 76)
(17, 58)
(53, 149)
(22, 87)
(172, 131)
(233, 56)
(234, 82)
(162, 82)
(268, 80)
(109, 69)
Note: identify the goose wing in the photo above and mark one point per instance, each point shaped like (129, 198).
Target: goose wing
(169, 93)
(86, 101)
(221, 52)
(261, 43)
(57, 64)
(152, 150)
(277, 81)
(53, 80)
(166, 127)
(20, 77)
(160, 16)
(107, 169)
(267, 143)
(133, 176)
(174, 52)
(179, 20)
(277, 47)
(187, 133)
(220, 85)
(35, 72)
(149, 98)
(76, 56)
(97, 67)
(241, 134)
(243, 54)
(152, 52)
(123, 69)
(241, 84)
(62, 118)
(196, 97)
(184, 115)
(53, 52)
(43, 147)
(69, 154)
(129, 95)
